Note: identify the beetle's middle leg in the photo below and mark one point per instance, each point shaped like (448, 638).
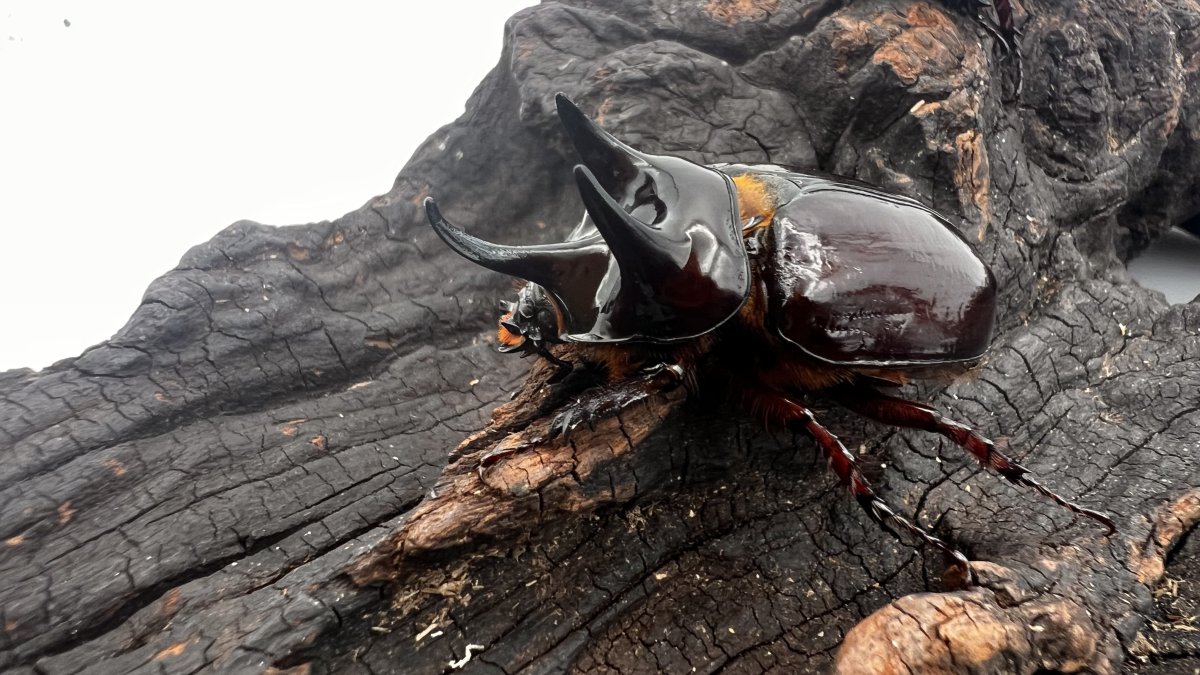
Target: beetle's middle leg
(778, 408)
(901, 413)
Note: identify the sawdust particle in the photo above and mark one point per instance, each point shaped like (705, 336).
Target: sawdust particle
(117, 468)
(172, 651)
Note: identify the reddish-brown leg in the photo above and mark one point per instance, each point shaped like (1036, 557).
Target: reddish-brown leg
(779, 409)
(901, 413)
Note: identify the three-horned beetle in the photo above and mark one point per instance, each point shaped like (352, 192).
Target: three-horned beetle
(793, 282)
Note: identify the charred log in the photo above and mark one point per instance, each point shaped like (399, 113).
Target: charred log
(266, 468)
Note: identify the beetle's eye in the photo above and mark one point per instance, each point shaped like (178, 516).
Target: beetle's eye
(546, 318)
(647, 207)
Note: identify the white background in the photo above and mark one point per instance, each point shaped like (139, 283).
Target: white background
(145, 127)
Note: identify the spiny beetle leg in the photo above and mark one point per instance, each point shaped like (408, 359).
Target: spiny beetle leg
(658, 378)
(901, 413)
(782, 409)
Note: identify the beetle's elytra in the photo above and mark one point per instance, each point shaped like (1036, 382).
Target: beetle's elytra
(787, 282)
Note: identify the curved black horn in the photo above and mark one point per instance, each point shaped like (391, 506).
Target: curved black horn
(681, 276)
(571, 269)
(614, 163)
(511, 260)
(634, 244)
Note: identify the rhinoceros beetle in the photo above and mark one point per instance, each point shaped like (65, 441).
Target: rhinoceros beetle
(793, 282)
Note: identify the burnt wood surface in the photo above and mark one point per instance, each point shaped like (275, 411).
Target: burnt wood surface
(263, 469)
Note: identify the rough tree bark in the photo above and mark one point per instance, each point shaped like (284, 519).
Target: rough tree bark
(257, 471)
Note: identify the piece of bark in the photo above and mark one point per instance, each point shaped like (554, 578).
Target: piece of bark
(256, 472)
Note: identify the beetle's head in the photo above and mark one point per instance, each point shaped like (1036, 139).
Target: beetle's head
(532, 321)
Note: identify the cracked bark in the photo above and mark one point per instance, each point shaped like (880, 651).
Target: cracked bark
(256, 472)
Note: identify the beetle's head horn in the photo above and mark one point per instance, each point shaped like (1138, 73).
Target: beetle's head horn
(568, 271)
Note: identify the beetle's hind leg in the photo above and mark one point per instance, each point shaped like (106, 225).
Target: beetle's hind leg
(778, 408)
(901, 413)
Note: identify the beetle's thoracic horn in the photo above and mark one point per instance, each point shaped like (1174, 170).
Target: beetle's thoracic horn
(633, 243)
(612, 162)
(616, 277)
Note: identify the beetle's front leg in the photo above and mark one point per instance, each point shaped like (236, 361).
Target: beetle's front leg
(659, 378)
(562, 367)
